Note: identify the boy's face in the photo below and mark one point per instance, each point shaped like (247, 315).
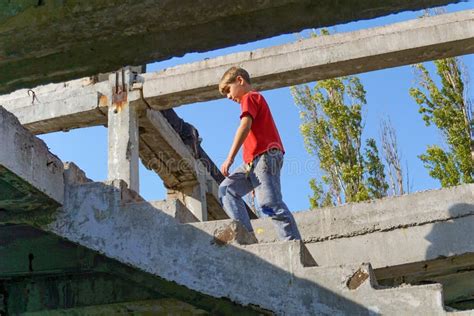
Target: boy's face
(236, 90)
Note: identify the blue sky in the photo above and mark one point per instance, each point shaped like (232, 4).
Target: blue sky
(387, 95)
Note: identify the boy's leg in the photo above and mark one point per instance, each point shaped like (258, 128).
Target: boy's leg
(265, 178)
(231, 191)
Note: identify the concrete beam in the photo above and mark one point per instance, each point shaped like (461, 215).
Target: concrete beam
(318, 58)
(62, 106)
(426, 225)
(162, 150)
(31, 178)
(48, 41)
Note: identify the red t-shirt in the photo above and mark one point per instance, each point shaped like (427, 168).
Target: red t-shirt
(263, 133)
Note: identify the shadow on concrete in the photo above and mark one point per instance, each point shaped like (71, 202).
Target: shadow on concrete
(451, 257)
(452, 237)
(138, 242)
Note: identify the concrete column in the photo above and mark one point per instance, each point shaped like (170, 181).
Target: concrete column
(123, 132)
(196, 199)
(194, 196)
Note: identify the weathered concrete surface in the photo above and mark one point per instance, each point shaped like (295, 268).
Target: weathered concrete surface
(455, 273)
(161, 147)
(60, 107)
(78, 103)
(175, 209)
(188, 179)
(82, 103)
(207, 258)
(96, 217)
(420, 238)
(164, 152)
(123, 132)
(31, 178)
(45, 41)
(318, 58)
(426, 225)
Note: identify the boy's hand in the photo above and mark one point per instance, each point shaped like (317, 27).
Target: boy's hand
(226, 166)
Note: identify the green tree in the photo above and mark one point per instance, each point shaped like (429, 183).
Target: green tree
(392, 156)
(376, 181)
(331, 115)
(448, 108)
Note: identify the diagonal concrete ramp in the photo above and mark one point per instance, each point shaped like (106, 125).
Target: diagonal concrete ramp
(276, 276)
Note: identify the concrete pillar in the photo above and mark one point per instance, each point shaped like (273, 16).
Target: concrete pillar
(193, 196)
(123, 131)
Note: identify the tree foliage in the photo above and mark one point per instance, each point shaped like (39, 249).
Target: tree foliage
(448, 108)
(332, 125)
(392, 156)
(376, 182)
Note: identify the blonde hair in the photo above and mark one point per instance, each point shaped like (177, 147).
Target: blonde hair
(230, 75)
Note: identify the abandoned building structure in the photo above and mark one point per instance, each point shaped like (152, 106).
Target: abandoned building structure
(72, 245)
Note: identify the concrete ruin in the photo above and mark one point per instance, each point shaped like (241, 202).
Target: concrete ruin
(72, 245)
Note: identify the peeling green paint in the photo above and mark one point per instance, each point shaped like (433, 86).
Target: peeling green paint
(66, 290)
(12, 8)
(143, 308)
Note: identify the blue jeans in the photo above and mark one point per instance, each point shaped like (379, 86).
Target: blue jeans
(263, 176)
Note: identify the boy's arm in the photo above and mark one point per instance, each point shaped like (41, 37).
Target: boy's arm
(239, 138)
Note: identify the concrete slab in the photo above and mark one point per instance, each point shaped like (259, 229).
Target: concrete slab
(426, 225)
(273, 276)
(31, 178)
(49, 40)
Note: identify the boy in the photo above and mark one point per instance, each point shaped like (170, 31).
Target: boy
(263, 158)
